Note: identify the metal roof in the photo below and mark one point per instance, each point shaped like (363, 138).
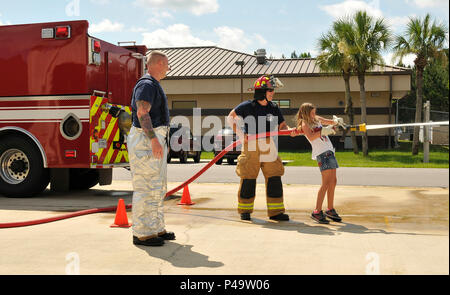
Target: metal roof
(208, 62)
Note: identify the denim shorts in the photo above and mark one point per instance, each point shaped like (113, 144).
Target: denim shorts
(327, 161)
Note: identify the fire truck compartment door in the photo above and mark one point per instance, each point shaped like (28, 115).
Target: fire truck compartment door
(122, 75)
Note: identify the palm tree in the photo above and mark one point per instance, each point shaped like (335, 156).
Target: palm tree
(425, 40)
(366, 40)
(334, 57)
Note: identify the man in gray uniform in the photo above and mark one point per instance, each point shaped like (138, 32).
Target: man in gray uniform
(147, 149)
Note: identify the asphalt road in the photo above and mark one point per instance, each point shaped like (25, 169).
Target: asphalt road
(397, 177)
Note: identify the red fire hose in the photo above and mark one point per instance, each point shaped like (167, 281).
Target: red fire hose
(178, 188)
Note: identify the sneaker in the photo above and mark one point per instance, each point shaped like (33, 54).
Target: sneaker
(152, 242)
(319, 217)
(332, 214)
(280, 217)
(245, 216)
(168, 236)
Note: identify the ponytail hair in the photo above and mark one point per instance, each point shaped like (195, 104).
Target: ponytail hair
(304, 115)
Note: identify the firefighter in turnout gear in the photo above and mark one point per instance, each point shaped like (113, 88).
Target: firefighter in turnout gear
(147, 148)
(257, 116)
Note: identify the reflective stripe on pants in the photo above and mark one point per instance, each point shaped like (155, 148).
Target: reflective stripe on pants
(252, 159)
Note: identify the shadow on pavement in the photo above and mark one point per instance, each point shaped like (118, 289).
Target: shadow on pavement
(180, 256)
(326, 230)
(359, 229)
(295, 226)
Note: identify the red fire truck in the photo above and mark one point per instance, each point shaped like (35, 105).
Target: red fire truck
(64, 107)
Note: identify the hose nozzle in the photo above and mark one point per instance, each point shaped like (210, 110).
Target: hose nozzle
(360, 127)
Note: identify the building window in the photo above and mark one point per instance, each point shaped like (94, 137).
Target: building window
(283, 103)
(183, 105)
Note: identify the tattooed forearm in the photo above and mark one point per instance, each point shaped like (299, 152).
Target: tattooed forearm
(144, 118)
(147, 126)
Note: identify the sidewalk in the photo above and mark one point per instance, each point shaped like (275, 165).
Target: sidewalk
(403, 230)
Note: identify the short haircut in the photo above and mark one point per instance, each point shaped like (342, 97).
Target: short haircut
(154, 57)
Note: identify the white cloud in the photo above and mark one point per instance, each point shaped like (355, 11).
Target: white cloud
(429, 3)
(4, 24)
(236, 39)
(260, 39)
(232, 38)
(398, 20)
(196, 7)
(398, 23)
(178, 35)
(408, 60)
(158, 16)
(106, 26)
(349, 7)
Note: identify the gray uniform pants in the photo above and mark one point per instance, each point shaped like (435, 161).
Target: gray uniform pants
(149, 177)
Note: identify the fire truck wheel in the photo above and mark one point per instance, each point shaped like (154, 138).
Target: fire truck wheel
(83, 179)
(22, 173)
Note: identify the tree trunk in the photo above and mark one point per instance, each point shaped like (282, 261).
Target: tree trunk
(419, 99)
(349, 111)
(362, 97)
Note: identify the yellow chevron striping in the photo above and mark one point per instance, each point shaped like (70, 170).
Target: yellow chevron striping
(122, 155)
(111, 139)
(102, 118)
(95, 107)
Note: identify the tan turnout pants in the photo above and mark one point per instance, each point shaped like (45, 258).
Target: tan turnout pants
(261, 154)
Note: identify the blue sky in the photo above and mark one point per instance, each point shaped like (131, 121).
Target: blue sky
(278, 26)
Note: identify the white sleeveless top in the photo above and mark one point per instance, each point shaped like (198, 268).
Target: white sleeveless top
(320, 145)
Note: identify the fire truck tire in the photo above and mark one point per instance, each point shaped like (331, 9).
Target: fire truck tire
(83, 179)
(22, 172)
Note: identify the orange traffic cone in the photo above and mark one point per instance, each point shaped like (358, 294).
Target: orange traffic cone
(186, 198)
(121, 216)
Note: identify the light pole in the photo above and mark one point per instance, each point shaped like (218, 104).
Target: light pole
(426, 133)
(241, 63)
(396, 130)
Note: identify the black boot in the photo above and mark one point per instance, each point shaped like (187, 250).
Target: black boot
(152, 242)
(168, 236)
(280, 217)
(245, 216)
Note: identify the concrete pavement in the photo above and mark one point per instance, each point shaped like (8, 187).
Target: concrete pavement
(386, 230)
